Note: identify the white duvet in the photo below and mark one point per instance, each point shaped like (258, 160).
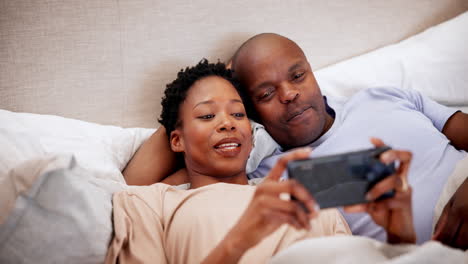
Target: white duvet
(362, 250)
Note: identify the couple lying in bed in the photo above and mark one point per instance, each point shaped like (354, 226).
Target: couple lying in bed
(281, 94)
(221, 218)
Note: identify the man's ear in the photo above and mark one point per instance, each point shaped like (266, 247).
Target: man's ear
(177, 141)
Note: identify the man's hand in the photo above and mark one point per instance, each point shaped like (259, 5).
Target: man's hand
(394, 214)
(152, 162)
(452, 227)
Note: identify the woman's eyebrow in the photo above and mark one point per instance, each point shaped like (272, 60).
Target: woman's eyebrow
(203, 102)
(212, 102)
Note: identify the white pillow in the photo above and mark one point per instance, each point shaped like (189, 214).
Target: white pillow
(104, 149)
(434, 62)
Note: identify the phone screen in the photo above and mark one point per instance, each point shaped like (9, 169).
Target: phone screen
(342, 179)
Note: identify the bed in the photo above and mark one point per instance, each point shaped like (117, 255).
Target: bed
(81, 81)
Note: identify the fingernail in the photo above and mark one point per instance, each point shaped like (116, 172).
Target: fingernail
(285, 196)
(388, 156)
(316, 207)
(306, 149)
(368, 197)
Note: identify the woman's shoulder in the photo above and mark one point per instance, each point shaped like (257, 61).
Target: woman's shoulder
(163, 193)
(146, 190)
(146, 196)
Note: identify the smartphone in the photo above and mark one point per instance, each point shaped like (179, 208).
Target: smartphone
(342, 179)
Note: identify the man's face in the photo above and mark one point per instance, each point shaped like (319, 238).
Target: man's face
(215, 134)
(284, 93)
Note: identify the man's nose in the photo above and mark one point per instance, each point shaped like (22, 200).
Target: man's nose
(287, 93)
(226, 124)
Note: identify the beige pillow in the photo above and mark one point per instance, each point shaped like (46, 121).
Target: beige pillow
(453, 182)
(56, 212)
(20, 179)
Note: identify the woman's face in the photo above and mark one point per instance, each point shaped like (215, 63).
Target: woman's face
(215, 133)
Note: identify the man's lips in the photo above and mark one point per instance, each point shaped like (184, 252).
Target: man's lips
(297, 114)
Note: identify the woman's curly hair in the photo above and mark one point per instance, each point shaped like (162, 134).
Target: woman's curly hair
(176, 91)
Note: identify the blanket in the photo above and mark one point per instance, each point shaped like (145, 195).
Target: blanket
(52, 199)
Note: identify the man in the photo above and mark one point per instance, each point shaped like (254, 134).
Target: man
(286, 99)
(288, 102)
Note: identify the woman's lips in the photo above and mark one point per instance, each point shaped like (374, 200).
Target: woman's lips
(228, 147)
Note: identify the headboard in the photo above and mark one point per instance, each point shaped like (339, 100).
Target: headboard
(108, 61)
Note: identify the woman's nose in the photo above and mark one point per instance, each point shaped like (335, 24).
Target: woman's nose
(227, 124)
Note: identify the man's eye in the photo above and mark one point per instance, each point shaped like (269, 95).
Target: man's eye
(265, 95)
(298, 75)
(210, 116)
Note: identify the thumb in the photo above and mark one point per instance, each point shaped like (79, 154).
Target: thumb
(282, 163)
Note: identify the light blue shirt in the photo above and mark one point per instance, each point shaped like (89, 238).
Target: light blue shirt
(403, 119)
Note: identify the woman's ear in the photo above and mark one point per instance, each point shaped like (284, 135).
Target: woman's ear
(177, 142)
(229, 64)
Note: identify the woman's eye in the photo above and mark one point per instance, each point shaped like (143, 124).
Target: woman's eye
(238, 114)
(206, 116)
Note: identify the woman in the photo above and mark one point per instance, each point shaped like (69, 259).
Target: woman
(222, 219)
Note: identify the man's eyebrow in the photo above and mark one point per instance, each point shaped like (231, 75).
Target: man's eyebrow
(291, 69)
(262, 85)
(295, 66)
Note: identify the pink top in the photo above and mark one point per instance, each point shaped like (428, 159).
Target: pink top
(162, 224)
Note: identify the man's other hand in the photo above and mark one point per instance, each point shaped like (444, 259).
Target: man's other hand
(394, 214)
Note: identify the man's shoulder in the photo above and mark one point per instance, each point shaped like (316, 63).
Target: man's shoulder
(380, 94)
(264, 146)
(265, 165)
(382, 90)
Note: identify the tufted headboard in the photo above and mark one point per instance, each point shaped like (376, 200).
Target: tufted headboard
(108, 61)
